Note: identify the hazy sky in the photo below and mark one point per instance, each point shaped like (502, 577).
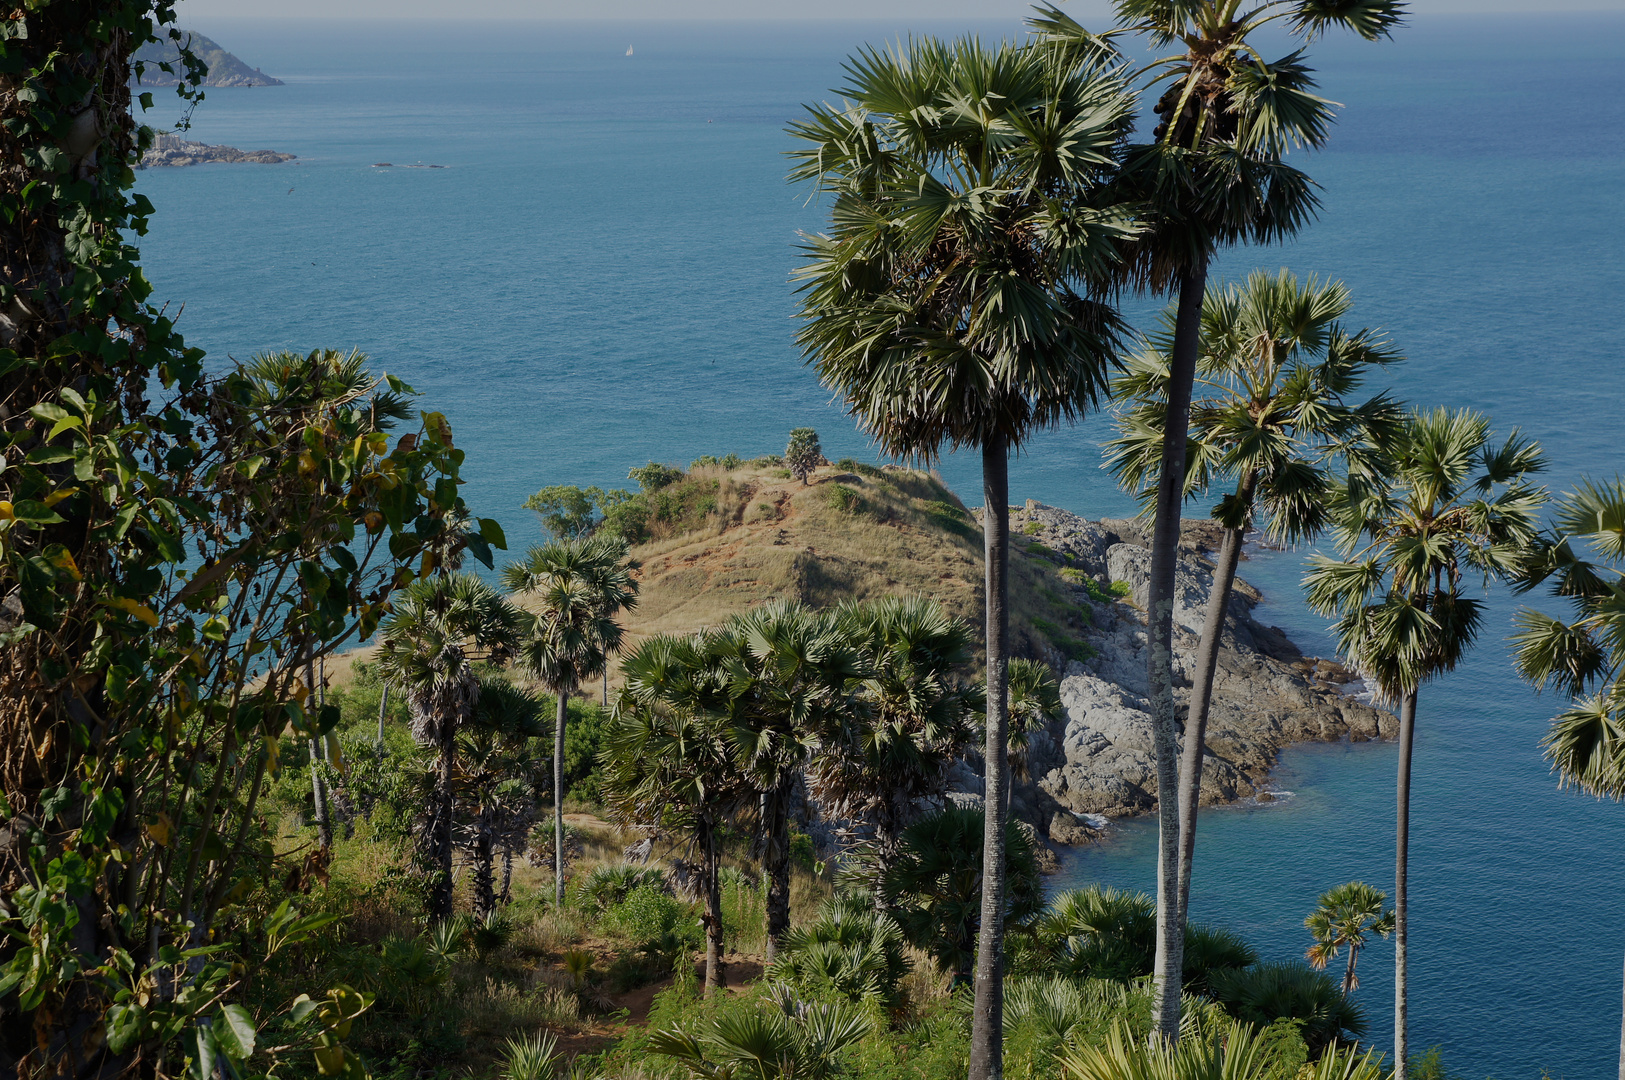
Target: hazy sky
(752, 9)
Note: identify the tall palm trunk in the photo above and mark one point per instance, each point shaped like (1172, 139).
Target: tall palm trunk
(1348, 975)
(1407, 731)
(485, 893)
(776, 861)
(713, 913)
(987, 1024)
(440, 896)
(558, 796)
(383, 710)
(318, 798)
(1166, 973)
(318, 789)
(1207, 659)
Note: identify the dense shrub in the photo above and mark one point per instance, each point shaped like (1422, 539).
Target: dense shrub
(609, 884)
(842, 499)
(857, 955)
(654, 476)
(934, 884)
(655, 923)
(1265, 993)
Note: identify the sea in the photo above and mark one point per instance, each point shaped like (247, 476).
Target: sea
(580, 252)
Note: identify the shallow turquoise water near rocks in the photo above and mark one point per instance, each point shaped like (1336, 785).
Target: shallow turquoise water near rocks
(597, 278)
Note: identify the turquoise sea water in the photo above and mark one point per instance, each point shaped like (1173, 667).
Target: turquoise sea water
(597, 278)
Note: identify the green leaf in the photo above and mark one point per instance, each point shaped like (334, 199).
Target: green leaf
(478, 548)
(64, 424)
(123, 1027)
(397, 385)
(234, 1032)
(35, 512)
(493, 534)
(49, 455)
(204, 1051)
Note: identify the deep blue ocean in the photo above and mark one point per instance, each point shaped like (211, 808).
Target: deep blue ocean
(598, 278)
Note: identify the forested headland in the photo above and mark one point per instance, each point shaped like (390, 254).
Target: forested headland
(749, 768)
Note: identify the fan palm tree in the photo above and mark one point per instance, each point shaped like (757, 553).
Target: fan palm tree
(951, 302)
(443, 625)
(1213, 176)
(497, 778)
(911, 719)
(1229, 1049)
(1035, 700)
(936, 885)
(582, 584)
(1097, 932)
(788, 671)
(1345, 917)
(1276, 371)
(785, 1039)
(669, 764)
(1450, 505)
(1584, 658)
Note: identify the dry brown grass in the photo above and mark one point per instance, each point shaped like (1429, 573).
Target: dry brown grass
(844, 535)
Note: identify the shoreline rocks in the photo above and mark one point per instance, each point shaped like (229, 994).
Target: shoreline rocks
(175, 152)
(1097, 762)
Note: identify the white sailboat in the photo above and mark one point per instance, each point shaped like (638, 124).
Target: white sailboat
(629, 50)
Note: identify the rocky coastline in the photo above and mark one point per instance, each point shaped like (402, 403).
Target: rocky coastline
(1096, 763)
(175, 152)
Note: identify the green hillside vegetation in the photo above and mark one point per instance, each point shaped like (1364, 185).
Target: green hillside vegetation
(220, 859)
(727, 534)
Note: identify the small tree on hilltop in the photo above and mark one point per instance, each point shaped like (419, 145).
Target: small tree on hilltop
(567, 511)
(803, 455)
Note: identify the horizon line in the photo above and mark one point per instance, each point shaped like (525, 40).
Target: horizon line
(737, 19)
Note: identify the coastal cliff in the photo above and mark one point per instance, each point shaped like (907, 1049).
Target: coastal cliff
(1097, 762)
(1077, 595)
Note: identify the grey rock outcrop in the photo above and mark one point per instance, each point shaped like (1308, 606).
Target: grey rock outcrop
(174, 151)
(1098, 762)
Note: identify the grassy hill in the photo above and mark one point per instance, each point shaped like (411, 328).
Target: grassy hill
(722, 540)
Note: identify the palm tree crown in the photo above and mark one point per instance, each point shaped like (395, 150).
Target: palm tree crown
(440, 628)
(949, 301)
(1344, 918)
(1453, 504)
(1275, 374)
(1214, 173)
(1584, 658)
(580, 585)
(910, 721)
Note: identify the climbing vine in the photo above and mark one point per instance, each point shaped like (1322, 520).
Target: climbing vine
(177, 546)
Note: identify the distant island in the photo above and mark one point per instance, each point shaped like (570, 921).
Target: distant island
(172, 150)
(224, 68)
